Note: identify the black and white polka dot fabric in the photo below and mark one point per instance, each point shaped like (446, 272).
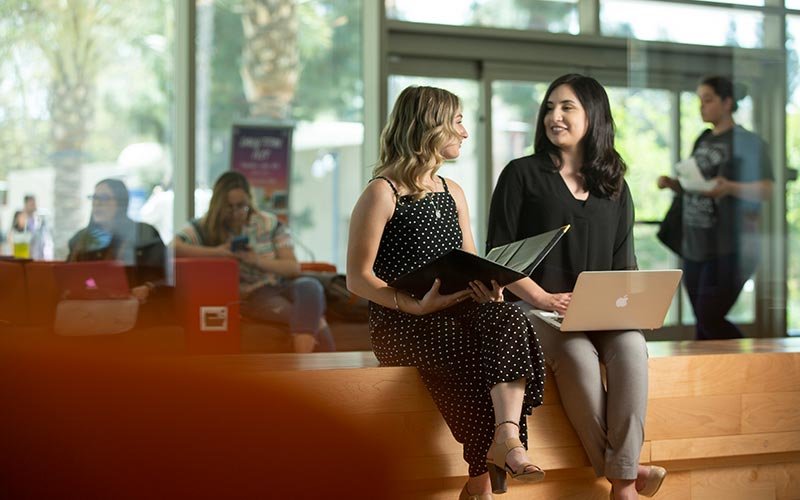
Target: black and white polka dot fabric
(463, 351)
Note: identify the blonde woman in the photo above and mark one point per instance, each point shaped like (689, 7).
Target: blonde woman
(269, 282)
(477, 355)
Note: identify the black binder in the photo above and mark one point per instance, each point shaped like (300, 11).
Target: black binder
(504, 264)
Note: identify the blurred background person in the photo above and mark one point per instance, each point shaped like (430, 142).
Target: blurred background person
(35, 232)
(720, 233)
(18, 238)
(112, 235)
(270, 284)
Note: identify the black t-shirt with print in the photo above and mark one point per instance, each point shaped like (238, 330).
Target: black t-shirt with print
(713, 228)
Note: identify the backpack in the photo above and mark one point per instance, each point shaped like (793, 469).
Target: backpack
(342, 304)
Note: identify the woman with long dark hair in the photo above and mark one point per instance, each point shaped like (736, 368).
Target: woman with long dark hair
(720, 235)
(576, 177)
(112, 235)
(270, 284)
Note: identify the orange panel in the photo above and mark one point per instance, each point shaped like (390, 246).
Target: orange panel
(207, 299)
(13, 299)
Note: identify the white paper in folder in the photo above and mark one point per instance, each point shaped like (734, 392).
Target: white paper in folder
(691, 178)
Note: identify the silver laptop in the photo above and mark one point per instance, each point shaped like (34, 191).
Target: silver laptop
(617, 300)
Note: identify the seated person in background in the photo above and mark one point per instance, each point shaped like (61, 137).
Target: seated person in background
(269, 281)
(112, 235)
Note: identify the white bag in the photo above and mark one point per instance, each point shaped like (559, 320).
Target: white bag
(95, 316)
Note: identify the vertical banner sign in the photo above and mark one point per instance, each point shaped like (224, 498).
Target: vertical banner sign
(262, 153)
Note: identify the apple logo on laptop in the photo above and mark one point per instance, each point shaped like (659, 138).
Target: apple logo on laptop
(622, 301)
(91, 284)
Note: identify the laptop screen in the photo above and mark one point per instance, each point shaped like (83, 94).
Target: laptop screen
(92, 280)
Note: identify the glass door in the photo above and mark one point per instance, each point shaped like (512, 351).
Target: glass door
(466, 169)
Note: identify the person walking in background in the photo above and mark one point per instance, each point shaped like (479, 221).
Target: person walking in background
(35, 230)
(112, 235)
(479, 358)
(270, 284)
(720, 233)
(576, 177)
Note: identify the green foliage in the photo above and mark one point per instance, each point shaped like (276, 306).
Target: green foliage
(542, 15)
(330, 84)
(643, 140)
(115, 54)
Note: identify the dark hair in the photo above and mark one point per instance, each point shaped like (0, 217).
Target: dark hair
(213, 222)
(28, 197)
(14, 225)
(603, 169)
(122, 227)
(120, 193)
(725, 88)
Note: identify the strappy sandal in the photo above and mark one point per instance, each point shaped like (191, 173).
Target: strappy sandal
(498, 466)
(465, 495)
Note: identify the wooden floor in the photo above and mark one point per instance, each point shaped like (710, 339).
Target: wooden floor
(723, 417)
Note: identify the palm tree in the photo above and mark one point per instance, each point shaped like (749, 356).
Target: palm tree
(270, 59)
(73, 36)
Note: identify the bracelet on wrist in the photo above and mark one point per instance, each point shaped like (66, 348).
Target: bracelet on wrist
(396, 303)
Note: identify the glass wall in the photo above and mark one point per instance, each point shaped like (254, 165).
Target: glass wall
(682, 23)
(793, 162)
(297, 67)
(79, 102)
(544, 15)
(515, 106)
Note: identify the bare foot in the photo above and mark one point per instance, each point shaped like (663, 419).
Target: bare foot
(641, 477)
(303, 342)
(624, 489)
(479, 485)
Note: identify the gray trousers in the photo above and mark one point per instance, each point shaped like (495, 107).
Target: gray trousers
(609, 420)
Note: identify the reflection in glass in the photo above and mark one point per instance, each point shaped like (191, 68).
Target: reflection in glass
(514, 108)
(793, 161)
(559, 16)
(692, 126)
(70, 111)
(681, 23)
(300, 66)
(651, 254)
(644, 141)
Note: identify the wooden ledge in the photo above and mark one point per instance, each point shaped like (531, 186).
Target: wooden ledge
(260, 362)
(718, 411)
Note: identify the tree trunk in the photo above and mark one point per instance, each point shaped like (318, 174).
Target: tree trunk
(270, 59)
(71, 111)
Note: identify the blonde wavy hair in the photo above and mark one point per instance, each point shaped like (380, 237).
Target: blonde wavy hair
(420, 126)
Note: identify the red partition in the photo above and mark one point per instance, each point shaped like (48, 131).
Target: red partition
(13, 300)
(207, 299)
(42, 292)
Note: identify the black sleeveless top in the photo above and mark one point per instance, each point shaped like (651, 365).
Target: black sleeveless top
(418, 232)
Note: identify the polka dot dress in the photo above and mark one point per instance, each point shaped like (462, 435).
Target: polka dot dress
(463, 351)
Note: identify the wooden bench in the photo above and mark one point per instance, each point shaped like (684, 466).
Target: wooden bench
(723, 417)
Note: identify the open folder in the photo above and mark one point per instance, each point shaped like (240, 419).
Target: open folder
(504, 264)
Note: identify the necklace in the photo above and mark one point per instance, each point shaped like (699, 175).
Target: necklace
(435, 208)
